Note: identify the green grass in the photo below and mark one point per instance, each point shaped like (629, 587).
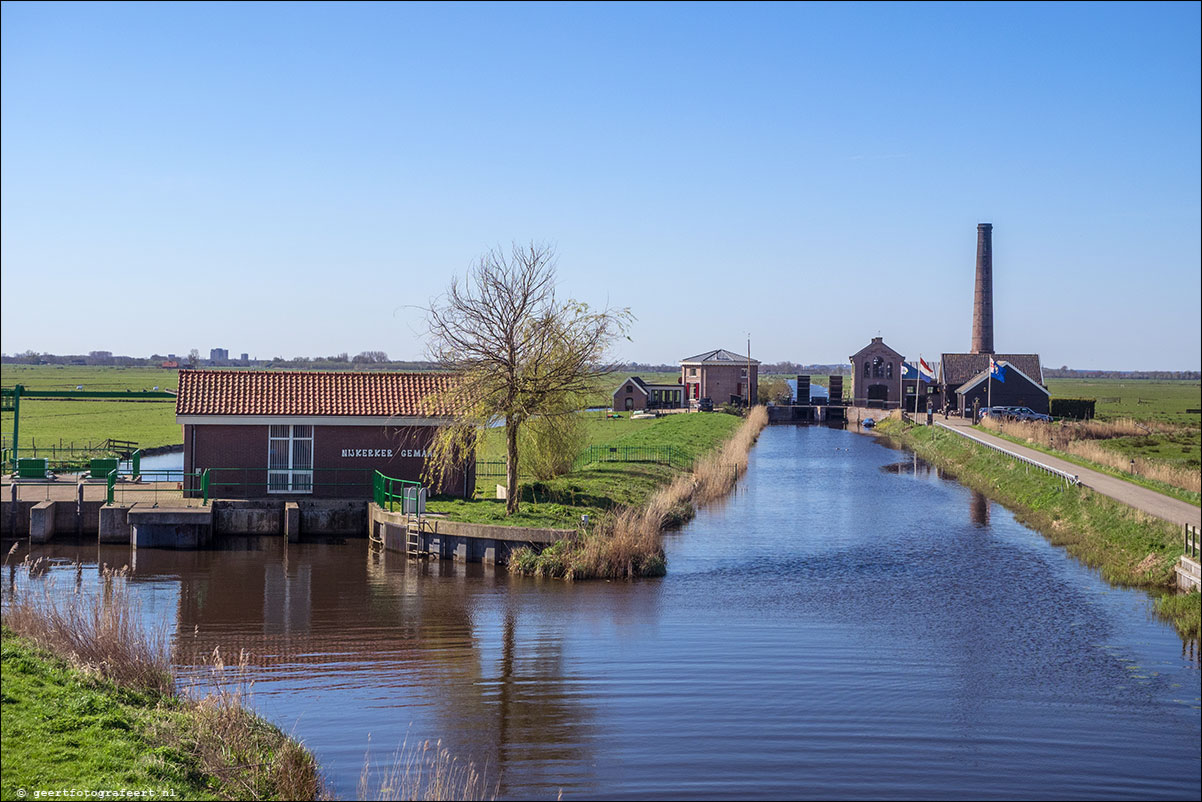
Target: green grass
(64, 730)
(1125, 545)
(597, 488)
(1152, 484)
(50, 422)
(1141, 399)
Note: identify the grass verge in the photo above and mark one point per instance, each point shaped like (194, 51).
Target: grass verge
(625, 542)
(90, 704)
(1127, 546)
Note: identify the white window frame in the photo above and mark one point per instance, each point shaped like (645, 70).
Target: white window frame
(295, 477)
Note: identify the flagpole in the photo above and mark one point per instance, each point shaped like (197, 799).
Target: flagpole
(917, 384)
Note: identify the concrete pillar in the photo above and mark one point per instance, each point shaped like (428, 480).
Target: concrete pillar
(460, 553)
(292, 521)
(79, 509)
(488, 554)
(41, 522)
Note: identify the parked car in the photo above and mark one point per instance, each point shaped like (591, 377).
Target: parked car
(1028, 414)
(706, 404)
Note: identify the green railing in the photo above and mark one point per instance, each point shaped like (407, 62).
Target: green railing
(658, 455)
(259, 482)
(159, 484)
(384, 491)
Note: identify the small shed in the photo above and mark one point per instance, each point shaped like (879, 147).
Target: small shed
(636, 394)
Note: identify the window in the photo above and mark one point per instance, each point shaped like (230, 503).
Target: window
(889, 371)
(743, 373)
(629, 389)
(867, 368)
(290, 459)
(878, 367)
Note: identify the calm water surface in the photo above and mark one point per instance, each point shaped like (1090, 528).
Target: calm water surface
(847, 624)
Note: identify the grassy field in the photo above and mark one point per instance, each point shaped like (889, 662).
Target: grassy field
(1127, 546)
(1140, 399)
(597, 488)
(46, 422)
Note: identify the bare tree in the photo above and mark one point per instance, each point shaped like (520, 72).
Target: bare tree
(520, 351)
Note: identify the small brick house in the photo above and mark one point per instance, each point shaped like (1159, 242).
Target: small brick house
(636, 394)
(310, 434)
(722, 376)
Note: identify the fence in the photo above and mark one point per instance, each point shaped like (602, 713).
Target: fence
(384, 493)
(656, 455)
(156, 485)
(1191, 541)
(1069, 478)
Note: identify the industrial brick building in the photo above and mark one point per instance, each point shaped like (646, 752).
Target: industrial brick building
(960, 370)
(310, 434)
(722, 376)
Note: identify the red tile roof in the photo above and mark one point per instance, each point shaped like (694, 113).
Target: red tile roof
(263, 392)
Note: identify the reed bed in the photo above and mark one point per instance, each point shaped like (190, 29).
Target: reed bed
(237, 754)
(627, 544)
(426, 772)
(98, 633)
(1081, 439)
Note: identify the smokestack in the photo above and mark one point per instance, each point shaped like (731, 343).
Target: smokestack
(982, 302)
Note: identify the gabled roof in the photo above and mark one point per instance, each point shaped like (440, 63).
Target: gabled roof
(876, 343)
(719, 357)
(956, 369)
(645, 386)
(980, 377)
(262, 392)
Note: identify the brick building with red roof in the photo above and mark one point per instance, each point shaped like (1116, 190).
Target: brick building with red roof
(311, 434)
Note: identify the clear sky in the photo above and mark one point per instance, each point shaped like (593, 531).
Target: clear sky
(298, 179)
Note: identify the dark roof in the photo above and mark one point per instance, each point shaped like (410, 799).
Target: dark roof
(1011, 375)
(877, 342)
(259, 392)
(956, 369)
(645, 386)
(721, 356)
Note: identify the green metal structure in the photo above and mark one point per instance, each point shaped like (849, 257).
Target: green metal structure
(10, 400)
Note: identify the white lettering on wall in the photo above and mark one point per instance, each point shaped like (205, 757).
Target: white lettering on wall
(386, 453)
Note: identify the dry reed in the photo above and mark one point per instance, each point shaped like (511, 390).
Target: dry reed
(1080, 439)
(99, 633)
(426, 772)
(627, 544)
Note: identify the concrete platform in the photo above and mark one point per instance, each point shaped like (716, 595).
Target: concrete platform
(170, 528)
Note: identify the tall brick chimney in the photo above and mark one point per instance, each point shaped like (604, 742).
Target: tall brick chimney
(982, 301)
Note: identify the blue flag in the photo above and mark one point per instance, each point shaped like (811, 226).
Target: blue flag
(997, 371)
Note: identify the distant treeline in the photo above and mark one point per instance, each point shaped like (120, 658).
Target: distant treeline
(379, 360)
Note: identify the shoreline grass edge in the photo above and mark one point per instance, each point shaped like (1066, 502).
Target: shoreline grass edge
(1128, 547)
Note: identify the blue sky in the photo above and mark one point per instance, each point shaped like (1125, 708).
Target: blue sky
(300, 179)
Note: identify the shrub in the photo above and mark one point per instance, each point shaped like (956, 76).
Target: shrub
(1075, 408)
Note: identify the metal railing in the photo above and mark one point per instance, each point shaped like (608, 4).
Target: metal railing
(1070, 479)
(1191, 541)
(158, 485)
(384, 492)
(259, 482)
(657, 455)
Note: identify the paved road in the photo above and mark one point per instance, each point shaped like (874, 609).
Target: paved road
(1151, 502)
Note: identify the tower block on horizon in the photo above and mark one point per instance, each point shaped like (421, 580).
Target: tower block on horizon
(982, 304)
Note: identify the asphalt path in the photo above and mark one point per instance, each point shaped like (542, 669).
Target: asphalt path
(1133, 495)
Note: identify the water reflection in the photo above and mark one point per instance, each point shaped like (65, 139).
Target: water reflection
(848, 604)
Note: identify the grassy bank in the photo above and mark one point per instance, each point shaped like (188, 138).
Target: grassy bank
(625, 542)
(89, 703)
(600, 488)
(1128, 547)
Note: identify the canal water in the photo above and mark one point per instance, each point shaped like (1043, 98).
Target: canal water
(848, 624)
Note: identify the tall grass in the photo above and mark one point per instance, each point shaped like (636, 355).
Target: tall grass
(627, 544)
(99, 633)
(1081, 439)
(427, 772)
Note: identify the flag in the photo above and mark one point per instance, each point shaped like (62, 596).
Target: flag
(909, 372)
(997, 371)
(927, 372)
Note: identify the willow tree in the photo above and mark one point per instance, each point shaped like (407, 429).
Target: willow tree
(521, 353)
